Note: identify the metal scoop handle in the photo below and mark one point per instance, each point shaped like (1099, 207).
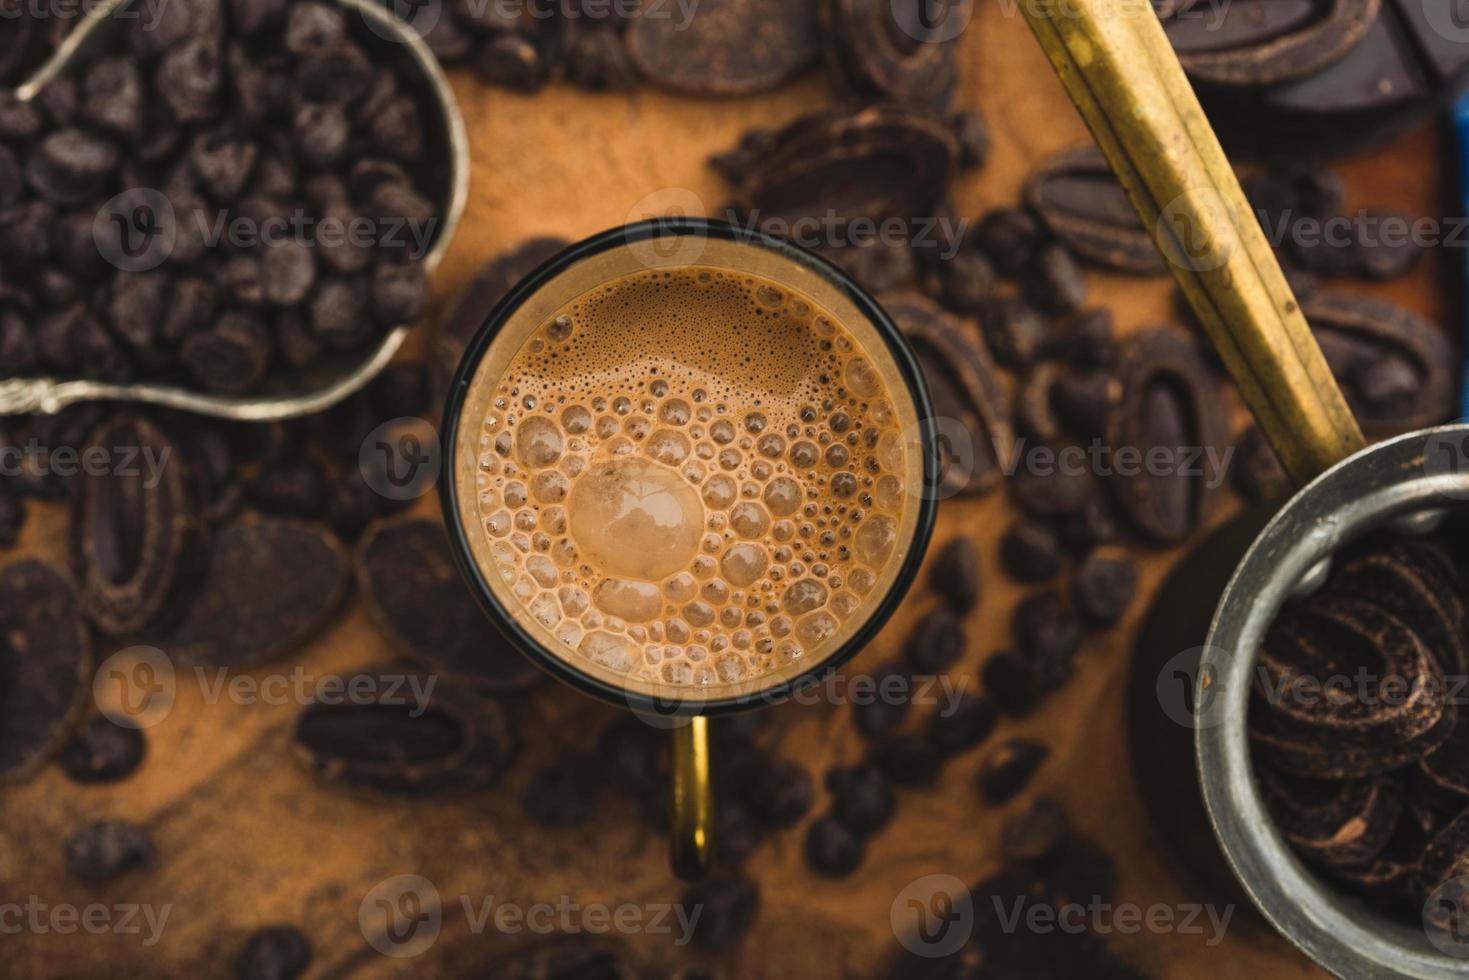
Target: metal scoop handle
(1120, 70)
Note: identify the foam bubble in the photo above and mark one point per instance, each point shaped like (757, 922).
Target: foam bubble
(635, 519)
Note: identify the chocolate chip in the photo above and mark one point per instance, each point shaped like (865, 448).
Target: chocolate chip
(251, 16)
(564, 793)
(729, 904)
(321, 133)
(312, 28)
(779, 794)
(1034, 832)
(288, 273)
(513, 61)
(1008, 769)
(1049, 634)
(113, 96)
(973, 135)
(883, 712)
(1009, 238)
(1054, 281)
(293, 488)
(1014, 331)
(958, 726)
(223, 162)
(339, 73)
(396, 129)
(831, 849)
(1030, 551)
(188, 80)
(232, 358)
(190, 309)
(862, 799)
(1104, 587)
(906, 760)
(107, 849)
(399, 293)
(937, 642)
(70, 164)
(102, 751)
(275, 952)
(1011, 680)
(339, 313)
(955, 574)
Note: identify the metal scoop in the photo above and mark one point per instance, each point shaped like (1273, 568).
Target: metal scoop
(296, 393)
(1118, 67)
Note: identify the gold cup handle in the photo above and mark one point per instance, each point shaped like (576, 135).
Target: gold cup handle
(1118, 67)
(692, 839)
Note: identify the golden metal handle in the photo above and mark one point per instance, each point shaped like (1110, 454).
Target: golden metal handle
(1119, 69)
(693, 800)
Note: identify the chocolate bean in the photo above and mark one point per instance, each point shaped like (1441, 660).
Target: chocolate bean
(444, 740)
(136, 533)
(1170, 411)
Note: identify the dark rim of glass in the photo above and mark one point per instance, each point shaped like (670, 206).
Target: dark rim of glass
(506, 623)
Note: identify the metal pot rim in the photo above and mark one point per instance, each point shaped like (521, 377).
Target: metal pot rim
(1388, 480)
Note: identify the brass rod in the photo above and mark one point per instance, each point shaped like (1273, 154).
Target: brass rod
(1117, 65)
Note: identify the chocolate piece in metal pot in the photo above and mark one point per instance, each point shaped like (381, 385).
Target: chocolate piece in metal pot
(1392, 875)
(45, 660)
(976, 437)
(1442, 777)
(136, 531)
(725, 47)
(1395, 367)
(1344, 689)
(1444, 878)
(1335, 823)
(1415, 580)
(1082, 203)
(1171, 410)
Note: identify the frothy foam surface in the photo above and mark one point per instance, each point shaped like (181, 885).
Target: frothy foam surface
(693, 477)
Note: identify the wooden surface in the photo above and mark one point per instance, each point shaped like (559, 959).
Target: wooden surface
(246, 839)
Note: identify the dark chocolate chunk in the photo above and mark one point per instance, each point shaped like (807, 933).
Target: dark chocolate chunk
(419, 601)
(45, 662)
(1008, 769)
(269, 586)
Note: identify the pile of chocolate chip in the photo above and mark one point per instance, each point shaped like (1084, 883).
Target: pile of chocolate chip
(1358, 725)
(236, 196)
